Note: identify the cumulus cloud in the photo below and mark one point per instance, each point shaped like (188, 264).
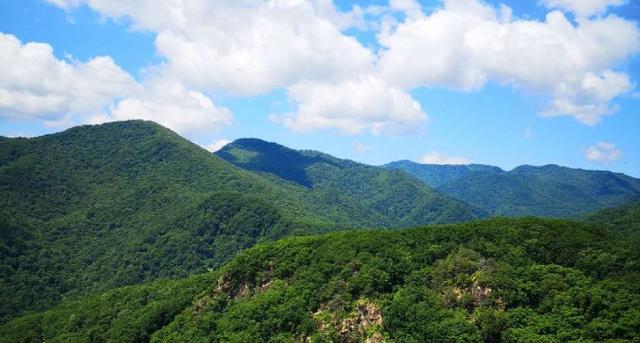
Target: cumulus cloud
(410, 7)
(35, 84)
(603, 152)
(435, 157)
(246, 47)
(172, 105)
(354, 106)
(583, 8)
(467, 43)
(253, 47)
(217, 145)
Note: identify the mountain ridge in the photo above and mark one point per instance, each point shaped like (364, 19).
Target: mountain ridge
(392, 194)
(549, 190)
(101, 206)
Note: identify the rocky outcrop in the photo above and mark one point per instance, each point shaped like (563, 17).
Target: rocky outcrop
(361, 325)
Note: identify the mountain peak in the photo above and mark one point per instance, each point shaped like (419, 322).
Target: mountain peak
(259, 155)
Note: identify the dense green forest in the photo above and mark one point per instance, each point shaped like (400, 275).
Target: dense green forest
(624, 220)
(498, 280)
(126, 232)
(393, 196)
(547, 191)
(98, 207)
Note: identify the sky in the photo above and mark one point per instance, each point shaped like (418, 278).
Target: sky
(504, 83)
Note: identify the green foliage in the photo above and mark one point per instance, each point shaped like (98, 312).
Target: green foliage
(128, 314)
(548, 191)
(394, 198)
(624, 220)
(500, 280)
(98, 207)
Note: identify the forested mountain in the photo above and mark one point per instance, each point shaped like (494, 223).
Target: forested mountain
(498, 280)
(398, 199)
(97, 207)
(624, 220)
(549, 191)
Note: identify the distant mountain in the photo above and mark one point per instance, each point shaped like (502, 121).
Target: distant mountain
(397, 198)
(550, 191)
(98, 207)
(498, 280)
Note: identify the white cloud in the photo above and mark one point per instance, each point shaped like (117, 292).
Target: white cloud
(171, 105)
(253, 47)
(246, 47)
(603, 152)
(466, 44)
(217, 145)
(367, 103)
(34, 84)
(411, 8)
(66, 3)
(19, 134)
(583, 8)
(361, 148)
(435, 157)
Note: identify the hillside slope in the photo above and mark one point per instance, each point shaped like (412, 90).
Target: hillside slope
(549, 191)
(398, 199)
(97, 207)
(499, 280)
(624, 220)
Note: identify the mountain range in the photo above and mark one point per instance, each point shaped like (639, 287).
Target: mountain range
(547, 191)
(127, 232)
(97, 207)
(398, 199)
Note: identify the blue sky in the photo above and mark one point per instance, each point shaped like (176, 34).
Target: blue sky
(497, 120)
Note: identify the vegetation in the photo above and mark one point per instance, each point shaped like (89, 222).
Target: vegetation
(499, 280)
(396, 198)
(128, 314)
(191, 238)
(547, 191)
(624, 220)
(98, 207)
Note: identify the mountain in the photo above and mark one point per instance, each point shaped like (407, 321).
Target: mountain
(98, 207)
(498, 280)
(624, 220)
(396, 198)
(549, 191)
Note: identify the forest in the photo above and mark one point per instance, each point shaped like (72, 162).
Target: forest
(127, 232)
(496, 280)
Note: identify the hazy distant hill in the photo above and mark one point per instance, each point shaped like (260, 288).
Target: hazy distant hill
(395, 197)
(550, 191)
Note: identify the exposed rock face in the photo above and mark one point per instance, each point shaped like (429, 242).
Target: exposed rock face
(480, 294)
(356, 327)
(225, 287)
(367, 315)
